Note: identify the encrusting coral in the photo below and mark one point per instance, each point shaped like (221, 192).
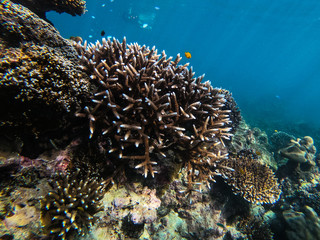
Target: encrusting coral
(37, 73)
(44, 68)
(250, 179)
(40, 7)
(144, 102)
(70, 207)
(42, 84)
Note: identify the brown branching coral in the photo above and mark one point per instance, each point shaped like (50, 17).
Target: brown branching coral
(253, 181)
(203, 164)
(70, 207)
(143, 102)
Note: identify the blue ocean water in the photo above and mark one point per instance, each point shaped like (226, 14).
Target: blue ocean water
(267, 53)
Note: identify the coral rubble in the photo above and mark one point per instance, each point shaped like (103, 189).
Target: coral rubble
(70, 207)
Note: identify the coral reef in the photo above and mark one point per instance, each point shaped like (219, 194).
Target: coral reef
(20, 211)
(280, 140)
(40, 7)
(299, 177)
(20, 25)
(139, 112)
(250, 179)
(129, 211)
(176, 218)
(70, 207)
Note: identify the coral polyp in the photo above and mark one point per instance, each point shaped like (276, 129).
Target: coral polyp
(70, 207)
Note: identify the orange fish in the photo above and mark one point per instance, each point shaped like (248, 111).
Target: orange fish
(187, 54)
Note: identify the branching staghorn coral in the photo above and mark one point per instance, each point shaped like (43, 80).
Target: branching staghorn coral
(70, 207)
(144, 102)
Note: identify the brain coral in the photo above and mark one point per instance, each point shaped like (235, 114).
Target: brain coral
(144, 102)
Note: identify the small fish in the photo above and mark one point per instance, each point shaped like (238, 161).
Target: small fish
(187, 54)
(81, 209)
(221, 225)
(102, 33)
(258, 153)
(276, 131)
(241, 171)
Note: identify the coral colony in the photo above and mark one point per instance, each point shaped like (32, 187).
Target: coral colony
(146, 102)
(70, 206)
(250, 179)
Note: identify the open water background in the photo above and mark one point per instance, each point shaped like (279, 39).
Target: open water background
(266, 52)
